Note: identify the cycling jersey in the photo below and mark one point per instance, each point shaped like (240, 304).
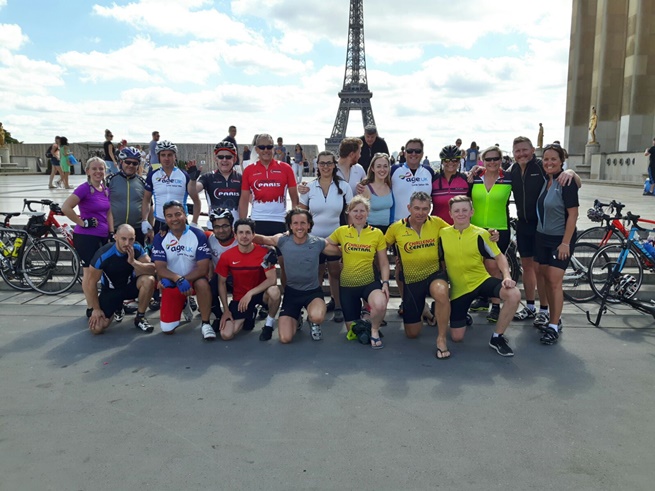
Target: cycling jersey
(527, 187)
(464, 254)
(245, 268)
(418, 251)
(269, 189)
(222, 192)
(405, 182)
(358, 251)
(325, 210)
(126, 198)
(181, 255)
(166, 188)
(491, 207)
(117, 273)
(444, 189)
(553, 204)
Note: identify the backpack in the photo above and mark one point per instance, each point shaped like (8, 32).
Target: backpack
(48, 153)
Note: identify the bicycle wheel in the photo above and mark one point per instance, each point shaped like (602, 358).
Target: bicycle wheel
(576, 283)
(10, 266)
(513, 261)
(595, 235)
(601, 277)
(51, 266)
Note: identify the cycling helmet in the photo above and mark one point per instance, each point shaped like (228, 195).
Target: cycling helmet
(129, 153)
(225, 145)
(450, 152)
(166, 145)
(220, 214)
(627, 286)
(595, 215)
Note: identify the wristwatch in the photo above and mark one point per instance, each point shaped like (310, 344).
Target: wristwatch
(385, 281)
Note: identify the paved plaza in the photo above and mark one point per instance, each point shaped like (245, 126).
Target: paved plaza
(128, 410)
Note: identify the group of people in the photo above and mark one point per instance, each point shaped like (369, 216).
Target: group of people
(448, 229)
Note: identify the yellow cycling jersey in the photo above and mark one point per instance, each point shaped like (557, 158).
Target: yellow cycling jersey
(462, 252)
(358, 251)
(418, 251)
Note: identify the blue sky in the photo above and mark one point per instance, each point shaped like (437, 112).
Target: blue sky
(189, 68)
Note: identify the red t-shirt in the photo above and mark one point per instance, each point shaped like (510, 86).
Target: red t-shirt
(246, 269)
(269, 189)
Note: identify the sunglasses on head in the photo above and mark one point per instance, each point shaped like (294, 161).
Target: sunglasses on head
(414, 150)
(225, 157)
(265, 147)
(491, 159)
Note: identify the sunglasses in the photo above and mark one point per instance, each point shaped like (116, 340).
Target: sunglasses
(265, 147)
(448, 161)
(491, 159)
(325, 164)
(225, 157)
(131, 162)
(223, 227)
(414, 150)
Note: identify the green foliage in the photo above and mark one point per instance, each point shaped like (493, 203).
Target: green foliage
(9, 139)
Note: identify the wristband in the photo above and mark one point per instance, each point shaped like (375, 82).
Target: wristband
(385, 281)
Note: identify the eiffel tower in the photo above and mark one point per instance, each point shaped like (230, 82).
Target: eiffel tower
(355, 94)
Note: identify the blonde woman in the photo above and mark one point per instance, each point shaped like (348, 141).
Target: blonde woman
(377, 189)
(94, 223)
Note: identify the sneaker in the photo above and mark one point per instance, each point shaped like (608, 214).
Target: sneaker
(493, 314)
(550, 336)
(330, 305)
(480, 305)
(301, 320)
(193, 303)
(499, 343)
(401, 309)
(524, 313)
(266, 334)
(143, 324)
(541, 321)
(119, 315)
(338, 315)
(155, 304)
(350, 335)
(89, 312)
(316, 332)
(187, 312)
(208, 332)
(263, 312)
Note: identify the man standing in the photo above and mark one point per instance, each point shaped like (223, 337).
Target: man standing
(462, 247)
(254, 282)
(223, 186)
(350, 150)
(410, 177)
(280, 151)
(126, 190)
(231, 134)
(166, 184)
(126, 272)
(416, 239)
(154, 158)
(371, 144)
(182, 259)
(303, 287)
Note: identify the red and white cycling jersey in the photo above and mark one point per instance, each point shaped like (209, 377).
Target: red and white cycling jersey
(269, 189)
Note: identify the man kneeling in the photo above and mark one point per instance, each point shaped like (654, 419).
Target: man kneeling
(254, 281)
(126, 273)
(462, 246)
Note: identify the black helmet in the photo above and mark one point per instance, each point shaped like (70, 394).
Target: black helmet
(450, 152)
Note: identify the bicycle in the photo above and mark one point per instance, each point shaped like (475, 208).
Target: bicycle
(616, 271)
(613, 231)
(40, 226)
(47, 265)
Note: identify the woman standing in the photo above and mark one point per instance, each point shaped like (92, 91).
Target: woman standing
(299, 161)
(377, 189)
(447, 183)
(94, 222)
(64, 155)
(490, 193)
(110, 154)
(360, 245)
(471, 156)
(327, 197)
(55, 164)
(557, 213)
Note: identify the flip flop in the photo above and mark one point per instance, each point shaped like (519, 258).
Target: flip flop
(443, 356)
(374, 342)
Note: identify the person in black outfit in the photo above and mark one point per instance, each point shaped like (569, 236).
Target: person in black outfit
(372, 144)
(232, 132)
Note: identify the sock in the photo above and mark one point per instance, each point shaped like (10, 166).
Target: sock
(205, 322)
(495, 335)
(543, 308)
(554, 326)
(270, 321)
(495, 307)
(531, 305)
(139, 315)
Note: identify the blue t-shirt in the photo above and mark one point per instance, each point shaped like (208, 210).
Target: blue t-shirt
(181, 255)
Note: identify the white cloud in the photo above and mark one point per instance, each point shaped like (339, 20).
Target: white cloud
(11, 36)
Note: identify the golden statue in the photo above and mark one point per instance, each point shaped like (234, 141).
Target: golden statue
(540, 137)
(2, 136)
(593, 124)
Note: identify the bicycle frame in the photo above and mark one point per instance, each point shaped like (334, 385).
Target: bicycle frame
(51, 220)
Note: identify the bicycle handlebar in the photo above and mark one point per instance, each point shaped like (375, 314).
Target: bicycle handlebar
(44, 202)
(634, 219)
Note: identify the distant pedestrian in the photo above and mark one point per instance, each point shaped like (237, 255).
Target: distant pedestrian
(64, 155)
(280, 151)
(110, 156)
(53, 154)
(246, 153)
(154, 157)
(231, 134)
(472, 154)
(650, 153)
